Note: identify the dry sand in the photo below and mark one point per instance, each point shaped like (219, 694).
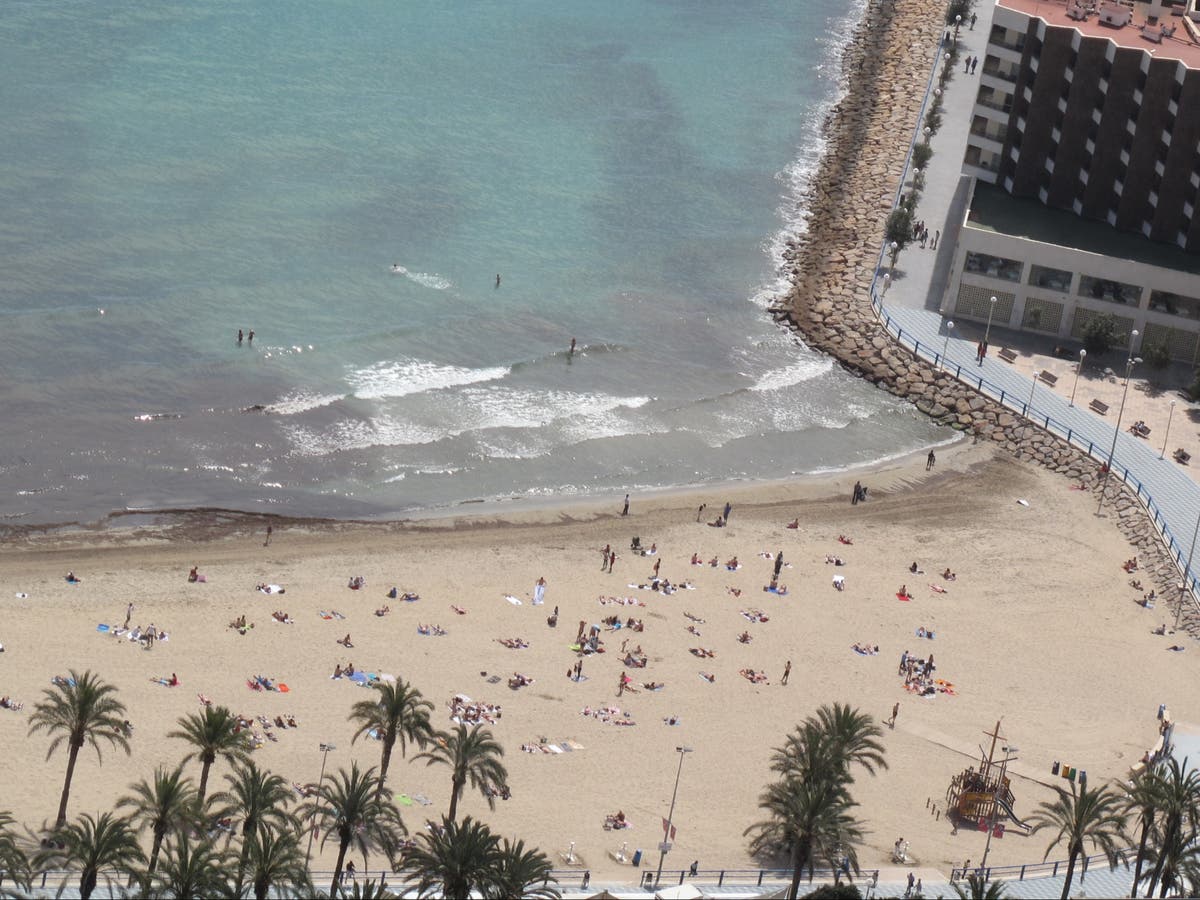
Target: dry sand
(1041, 629)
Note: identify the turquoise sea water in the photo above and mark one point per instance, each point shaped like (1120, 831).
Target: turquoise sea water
(170, 173)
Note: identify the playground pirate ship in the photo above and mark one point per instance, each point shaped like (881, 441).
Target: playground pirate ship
(984, 797)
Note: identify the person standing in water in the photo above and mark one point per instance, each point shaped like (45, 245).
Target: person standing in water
(497, 279)
(572, 346)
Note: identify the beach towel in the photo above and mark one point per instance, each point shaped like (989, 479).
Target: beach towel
(422, 799)
(404, 800)
(900, 596)
(1023, 502)
(21, 595)
(515, 601)
(103, 629)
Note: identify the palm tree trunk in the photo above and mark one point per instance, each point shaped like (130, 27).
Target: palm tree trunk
(456, 788)
(262, 887)
(155, 848)
(389, 742)
(204, 769)
(1070, 873)
(247, 831)
(1167, 841)
(797, 869)
(343, 846)
(66, 791)
(87, 883)
(1141, 856)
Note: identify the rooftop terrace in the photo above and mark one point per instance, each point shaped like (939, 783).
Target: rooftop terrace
(993, 209)
(1179, 47)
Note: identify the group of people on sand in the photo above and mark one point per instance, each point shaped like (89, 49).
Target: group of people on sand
(431, 630)
(340, 671)
(240, 625)
(282, 617)
(464, 711)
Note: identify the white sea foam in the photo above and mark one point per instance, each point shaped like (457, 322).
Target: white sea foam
(300, 402)
(399, 378)
(426, 279)
(796, 373)
(797, 176)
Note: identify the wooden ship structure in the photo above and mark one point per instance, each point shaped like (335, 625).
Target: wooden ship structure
(983, 797)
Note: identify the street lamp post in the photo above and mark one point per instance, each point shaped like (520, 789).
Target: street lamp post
(946, 343)
(957, 24)
(1078, 369)
(1029, 405)
(991, 309)
(895, 248)
(324, 748)
(1170, 416)
(665, 845)
(1130, 363)
(928, 134)
(1008, 751)
(887, 281)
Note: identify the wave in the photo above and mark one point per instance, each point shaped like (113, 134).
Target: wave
(796, 373)
(399, 378)
(425, 279)
(474, 410)
(301, 402)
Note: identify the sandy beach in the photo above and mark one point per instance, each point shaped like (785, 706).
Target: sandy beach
(1041, 629)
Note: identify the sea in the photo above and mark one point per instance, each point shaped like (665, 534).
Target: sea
(416, 207)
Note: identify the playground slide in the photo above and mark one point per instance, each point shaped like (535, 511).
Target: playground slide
(1012, 815)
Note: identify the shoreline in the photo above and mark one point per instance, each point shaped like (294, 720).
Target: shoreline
(212, 524)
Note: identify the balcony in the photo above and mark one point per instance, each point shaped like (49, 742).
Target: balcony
(1003, 73)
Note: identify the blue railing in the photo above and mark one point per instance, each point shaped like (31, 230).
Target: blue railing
(574, 878)
(1006, 398)
(1038, 870)
(1021, 405)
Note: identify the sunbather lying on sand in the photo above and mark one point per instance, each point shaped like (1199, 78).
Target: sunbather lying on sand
(696, 619)
(708, 676)
(836, 560)
(756, 677)
(842, 539)
(519, 681)
(744, 637)
(513, 643)
(795, 523)
(732, 564)
(703, 652)
(458, 609)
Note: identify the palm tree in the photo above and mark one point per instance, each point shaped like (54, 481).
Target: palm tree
(92, 846)
(212, 733)
(473, 756)
(979, 888)
(453, 860)
(1143, 803)
(14, 865)
(1078, 817)
(522, 873)
(810, 811)
(80, 711)
(354, 806)
(257, 798)
(399, 713)
(166, 804)
(192, 869)
(276, 860)
(809, 819)
(1178, 795)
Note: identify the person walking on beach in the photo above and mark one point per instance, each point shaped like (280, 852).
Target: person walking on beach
(657, 563)
(787, 672)
(128, 614)
(625, 509)
(267, 542)
(604, 557)
(930, 460)
(612, 558)
(778, 563)
(728, 510)
(895, 712)
(700, 511)
(857, 493)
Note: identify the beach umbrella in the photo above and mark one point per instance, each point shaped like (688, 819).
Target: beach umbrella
(685, 891)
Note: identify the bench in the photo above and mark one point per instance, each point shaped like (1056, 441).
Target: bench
(1049, 378)
(1139, 429)
(1098, 406)
(1009, 356)
(1182, 456)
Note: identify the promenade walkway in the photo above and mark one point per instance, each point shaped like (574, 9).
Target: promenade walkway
(910, 309)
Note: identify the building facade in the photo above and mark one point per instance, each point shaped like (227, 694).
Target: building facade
(1092, 112)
